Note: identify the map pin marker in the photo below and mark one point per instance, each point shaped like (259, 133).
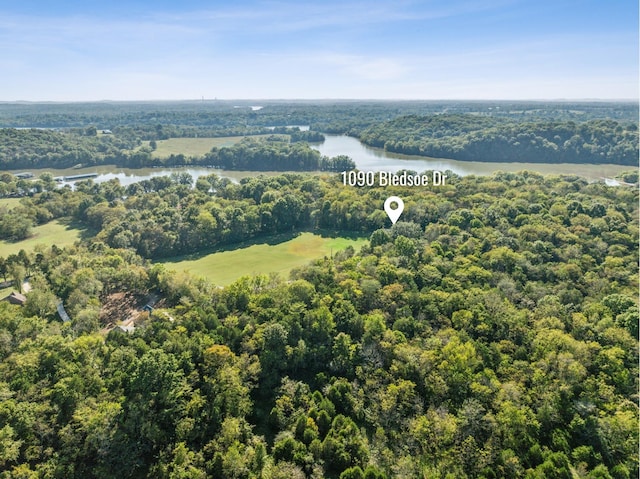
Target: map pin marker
(393, 214)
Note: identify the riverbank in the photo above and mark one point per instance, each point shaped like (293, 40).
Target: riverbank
(365, 158)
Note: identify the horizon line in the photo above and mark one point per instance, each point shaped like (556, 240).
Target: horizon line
(201, 100)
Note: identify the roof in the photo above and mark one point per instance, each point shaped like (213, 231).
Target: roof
(16, 298)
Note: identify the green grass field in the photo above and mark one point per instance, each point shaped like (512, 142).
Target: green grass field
(224, 267)
(191, 146)
(194, 146)
(9, 203)
(54, 232)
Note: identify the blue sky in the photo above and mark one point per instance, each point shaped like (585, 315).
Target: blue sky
(439, 49)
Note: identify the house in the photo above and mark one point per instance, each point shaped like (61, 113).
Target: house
(16, 298)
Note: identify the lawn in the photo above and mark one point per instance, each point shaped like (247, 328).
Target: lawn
(54, 232)
(224, 267)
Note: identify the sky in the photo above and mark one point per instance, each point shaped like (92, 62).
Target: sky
(335, 49)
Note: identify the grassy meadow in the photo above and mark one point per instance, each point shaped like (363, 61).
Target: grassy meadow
(224, 267)
(9, 203)
(191, 146)
(54, 232)
(195, 147)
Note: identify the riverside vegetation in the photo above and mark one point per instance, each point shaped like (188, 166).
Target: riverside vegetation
(62, 136)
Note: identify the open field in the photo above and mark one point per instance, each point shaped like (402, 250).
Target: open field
(224, 267)
(54, 232)
(9, 203)
(193, 146)
(7, 290)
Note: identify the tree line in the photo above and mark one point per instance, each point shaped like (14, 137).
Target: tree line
(329, 116)
(260, 155)
(471, 138)
(467, 137)
(159, 131)
(38, 148)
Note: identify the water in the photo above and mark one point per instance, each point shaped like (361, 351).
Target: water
(376, 159)
(128, 176)
(366, 159)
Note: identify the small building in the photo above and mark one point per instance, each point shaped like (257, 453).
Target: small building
(16, 298)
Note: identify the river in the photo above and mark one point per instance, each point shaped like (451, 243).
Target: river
(366, 159)
(376, 159)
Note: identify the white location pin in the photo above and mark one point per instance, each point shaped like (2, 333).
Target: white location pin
(393, 214)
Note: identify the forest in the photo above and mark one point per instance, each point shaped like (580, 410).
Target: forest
(274, 155)
(65, 135)
(348, 116)
(37, 148)
(473, 138)
(491, 333)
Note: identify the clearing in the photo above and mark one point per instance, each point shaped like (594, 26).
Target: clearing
(195, 147)
(9, 203)
(54, 232)
(191, 146)
(224, 267)
(126, 309)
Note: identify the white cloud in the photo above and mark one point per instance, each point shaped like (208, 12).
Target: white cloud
(286, 50)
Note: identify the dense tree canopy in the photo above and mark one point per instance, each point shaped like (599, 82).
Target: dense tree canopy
(491, 333)
(475, 138)
(36, 148)
(474, 131)
(24, 149)
(260, 155)
(329, 116)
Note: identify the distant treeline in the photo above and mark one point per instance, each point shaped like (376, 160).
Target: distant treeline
(328, 116)
(146, 132)
(472, 138)
(259, 155)
(34, 148)
(41, 148)
(460, 137)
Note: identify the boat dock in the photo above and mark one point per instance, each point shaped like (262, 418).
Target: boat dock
(79, 177)
(23, 176)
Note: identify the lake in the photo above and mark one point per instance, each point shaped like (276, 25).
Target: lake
(366, 158)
